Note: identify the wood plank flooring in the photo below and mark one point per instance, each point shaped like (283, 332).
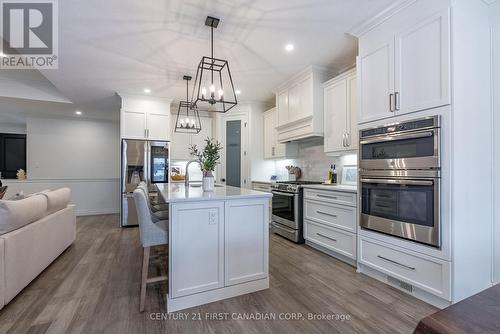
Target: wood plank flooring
(93, 287)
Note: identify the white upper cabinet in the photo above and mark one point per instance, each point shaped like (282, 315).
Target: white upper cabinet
(335, 116)
(376, 68)
(404, 65)
(423, 65)
(299, 103)
(180, 142)
(145, 118)
(340, 107)
(269, 134)
(272, 148)
(158, 126)
(282, 103)
(133, 124)
(352, 115)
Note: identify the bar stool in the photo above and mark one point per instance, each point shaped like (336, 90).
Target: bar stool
(152, 234)
(158, 212)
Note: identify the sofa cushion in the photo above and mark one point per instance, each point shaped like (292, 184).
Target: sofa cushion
(20, 195)
(57, 199)
(16, 214)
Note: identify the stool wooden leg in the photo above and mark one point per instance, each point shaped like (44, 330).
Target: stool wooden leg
(144, 278)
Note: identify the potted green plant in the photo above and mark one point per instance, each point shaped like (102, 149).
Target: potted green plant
(208, 158)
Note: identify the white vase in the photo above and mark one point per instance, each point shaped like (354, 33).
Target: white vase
(208, 181)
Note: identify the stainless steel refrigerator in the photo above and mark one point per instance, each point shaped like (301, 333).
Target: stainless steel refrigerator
(142, 160)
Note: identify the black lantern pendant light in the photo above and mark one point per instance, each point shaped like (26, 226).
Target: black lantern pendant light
(188, 117)
(214, 88)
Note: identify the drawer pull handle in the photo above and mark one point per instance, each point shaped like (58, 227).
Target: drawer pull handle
(326, 196)
(395, 262)
(327, 237)
(326, 214)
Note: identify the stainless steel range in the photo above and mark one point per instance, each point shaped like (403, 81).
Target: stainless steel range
(287, 209)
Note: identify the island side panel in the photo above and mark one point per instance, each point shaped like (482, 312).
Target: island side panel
(196, 247)
(246, 233)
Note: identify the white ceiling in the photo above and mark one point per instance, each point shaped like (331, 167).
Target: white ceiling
(127, 45)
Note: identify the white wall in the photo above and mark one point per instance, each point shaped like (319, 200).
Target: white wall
(12, 128)
(72, 149)
(495, 22)
(78, 153)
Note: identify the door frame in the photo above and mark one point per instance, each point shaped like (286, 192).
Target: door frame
(221, 168)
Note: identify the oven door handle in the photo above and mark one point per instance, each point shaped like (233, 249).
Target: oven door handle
(402, 182)
(283, 194)
(401, 136)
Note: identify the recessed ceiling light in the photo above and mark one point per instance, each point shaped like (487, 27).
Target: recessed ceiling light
(289, 47)
(78, 112)
(237, 92)
(147, 90)
(2, 55)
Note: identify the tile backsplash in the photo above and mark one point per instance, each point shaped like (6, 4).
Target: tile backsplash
(313, 162)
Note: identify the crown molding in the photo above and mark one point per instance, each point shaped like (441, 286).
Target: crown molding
(364, 27)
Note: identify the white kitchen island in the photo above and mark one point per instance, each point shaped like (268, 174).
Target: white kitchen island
(218, 243)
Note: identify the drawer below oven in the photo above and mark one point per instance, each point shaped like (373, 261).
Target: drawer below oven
(331, 238)
(427, 273)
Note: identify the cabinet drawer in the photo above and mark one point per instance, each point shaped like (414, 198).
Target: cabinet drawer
(334, 239)
(343, 217)
(329, 196)
(429, 274)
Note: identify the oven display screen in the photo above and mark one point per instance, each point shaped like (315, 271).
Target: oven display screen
(398, 149)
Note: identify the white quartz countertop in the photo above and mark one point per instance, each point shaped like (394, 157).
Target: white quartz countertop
(337, 187)
(174, 192)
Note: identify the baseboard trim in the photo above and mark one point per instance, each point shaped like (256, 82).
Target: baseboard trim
(184, 302)
(90, 212)
(417, 292)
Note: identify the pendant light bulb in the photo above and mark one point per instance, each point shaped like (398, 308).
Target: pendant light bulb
(212, 89)
(203, 92)
(221, 93)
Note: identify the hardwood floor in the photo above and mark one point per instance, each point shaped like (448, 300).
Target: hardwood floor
(93, 287)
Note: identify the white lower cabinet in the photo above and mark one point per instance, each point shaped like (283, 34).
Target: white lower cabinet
(246, 241)
(333, 215)
(199, 241)
(425, 272)
(330, 221)
(219, 244)
(331, 238)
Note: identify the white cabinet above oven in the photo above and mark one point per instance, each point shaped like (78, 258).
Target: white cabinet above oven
(407, 68)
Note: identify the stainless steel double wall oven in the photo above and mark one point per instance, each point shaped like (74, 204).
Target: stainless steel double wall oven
(400, 180)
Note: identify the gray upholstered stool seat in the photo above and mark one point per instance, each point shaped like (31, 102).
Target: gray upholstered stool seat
(152, 233)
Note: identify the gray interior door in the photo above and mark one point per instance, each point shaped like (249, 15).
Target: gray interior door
(233, 153)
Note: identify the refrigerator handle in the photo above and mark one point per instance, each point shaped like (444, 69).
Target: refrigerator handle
(147, 158)
(124, 166)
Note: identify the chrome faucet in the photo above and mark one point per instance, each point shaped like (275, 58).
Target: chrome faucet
(186, 177)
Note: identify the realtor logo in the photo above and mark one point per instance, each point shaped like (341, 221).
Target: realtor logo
(29, 30)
